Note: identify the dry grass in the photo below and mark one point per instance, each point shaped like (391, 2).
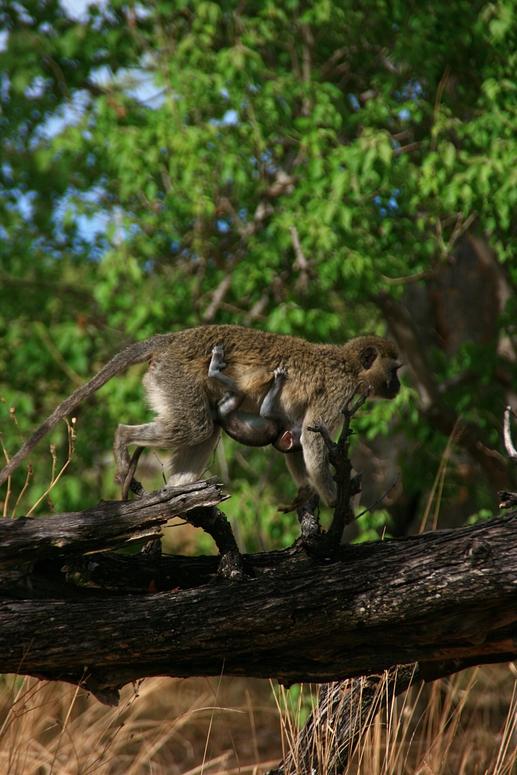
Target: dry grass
(166, 726)
(462, 726)
(465, 726)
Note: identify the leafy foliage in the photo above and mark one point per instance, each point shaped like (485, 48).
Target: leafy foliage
(277, 164)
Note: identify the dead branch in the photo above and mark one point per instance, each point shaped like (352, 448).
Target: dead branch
(446, 597)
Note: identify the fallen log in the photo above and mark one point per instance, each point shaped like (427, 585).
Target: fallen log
(445, 600)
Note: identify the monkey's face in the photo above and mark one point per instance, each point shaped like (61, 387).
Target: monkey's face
(379, 369)
(390, 386)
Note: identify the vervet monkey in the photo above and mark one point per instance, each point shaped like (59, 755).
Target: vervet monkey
(179, 390)
(269, 426)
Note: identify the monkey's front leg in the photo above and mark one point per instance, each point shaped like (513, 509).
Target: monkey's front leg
(312, 467)
(148, 435)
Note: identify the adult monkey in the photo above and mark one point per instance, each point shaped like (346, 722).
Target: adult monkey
(184, 397)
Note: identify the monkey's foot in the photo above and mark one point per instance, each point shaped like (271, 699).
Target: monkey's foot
(508, 500)
(137, 488)
(280, 375)
(216, 362)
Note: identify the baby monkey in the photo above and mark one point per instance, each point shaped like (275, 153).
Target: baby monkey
(270, 426)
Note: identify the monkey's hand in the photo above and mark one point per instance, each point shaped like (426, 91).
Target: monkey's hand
(280, 375)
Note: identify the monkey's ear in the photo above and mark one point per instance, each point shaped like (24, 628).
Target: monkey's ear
(368, 357)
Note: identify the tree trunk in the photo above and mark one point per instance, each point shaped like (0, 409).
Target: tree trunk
(344, 713)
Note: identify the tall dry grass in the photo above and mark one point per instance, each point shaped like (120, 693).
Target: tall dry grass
(463, 726)
(163, 726)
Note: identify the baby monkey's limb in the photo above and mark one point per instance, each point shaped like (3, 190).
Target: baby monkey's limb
(270, 426)
(255, 430)
(217, 363)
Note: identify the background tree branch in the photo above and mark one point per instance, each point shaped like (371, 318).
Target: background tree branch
(432, 405)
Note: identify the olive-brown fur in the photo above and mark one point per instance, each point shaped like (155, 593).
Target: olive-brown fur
(319, 376)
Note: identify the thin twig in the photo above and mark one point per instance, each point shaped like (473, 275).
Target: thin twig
(29, 475)
(460, 228)
(217, 297)
(300, 264)
(378, 499)
(128, 482)
(409, 148)
(413, 278)
(438, 99)
(55, 479)
(9, 478)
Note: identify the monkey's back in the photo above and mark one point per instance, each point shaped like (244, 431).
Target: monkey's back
(251, 357)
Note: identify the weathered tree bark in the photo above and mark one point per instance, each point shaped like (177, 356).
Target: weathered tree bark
(445, 600)
(108, 525)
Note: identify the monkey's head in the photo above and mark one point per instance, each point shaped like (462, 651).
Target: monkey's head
(379, 363)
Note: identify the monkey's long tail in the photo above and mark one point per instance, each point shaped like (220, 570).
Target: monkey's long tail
(135, 353)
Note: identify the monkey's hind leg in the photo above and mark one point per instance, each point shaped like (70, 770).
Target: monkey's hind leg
(148, 435)
(269, 409)
(189, 461)
(306, 499)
